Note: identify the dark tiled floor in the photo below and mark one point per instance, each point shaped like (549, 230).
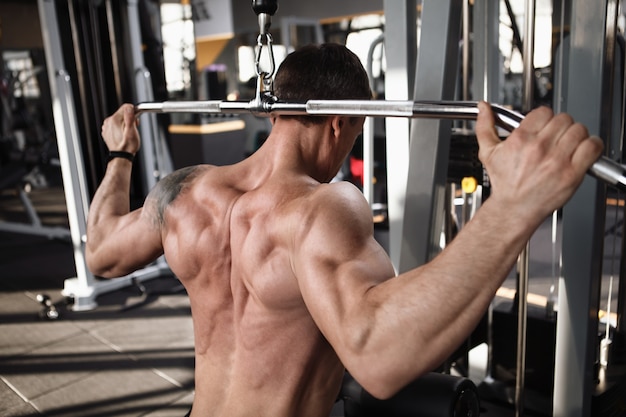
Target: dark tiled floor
(131, 356)
(112, 361)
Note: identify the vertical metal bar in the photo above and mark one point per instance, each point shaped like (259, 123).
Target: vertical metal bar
(609, 134)
(369, 131)
(559, 69)
(486, 63)
(143, 92)
(522, 281)
(368, 160)
(558, 52)
(522, 316)
(401, 55)
(583, 223)
(606, 118)
(115, 53)
(529, 55)
(81, 58)
(153, 153)
(486, 86)
(465, 93)
(70, 155)
(436, 75)
(620, 328)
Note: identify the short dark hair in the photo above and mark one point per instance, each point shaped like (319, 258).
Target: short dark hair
(321, 72)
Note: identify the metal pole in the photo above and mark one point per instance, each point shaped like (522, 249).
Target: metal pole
(529, 53)
(401, 57)
(72, 166)
(583, 221)
(368, 132)
(522, 281)
(466, 41)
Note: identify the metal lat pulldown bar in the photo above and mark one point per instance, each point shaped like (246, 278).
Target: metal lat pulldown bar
(603, 169)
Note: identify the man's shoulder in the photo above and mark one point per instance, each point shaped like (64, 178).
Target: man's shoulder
(340, 194)
(339, 189)
(339, 203)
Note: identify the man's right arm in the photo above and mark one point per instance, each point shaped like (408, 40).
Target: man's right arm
(119, 240)
(387, 331)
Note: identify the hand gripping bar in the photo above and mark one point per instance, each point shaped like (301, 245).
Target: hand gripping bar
(603, 169)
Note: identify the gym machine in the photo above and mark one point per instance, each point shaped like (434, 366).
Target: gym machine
(83, 289)
(430, 109)
(606, 170)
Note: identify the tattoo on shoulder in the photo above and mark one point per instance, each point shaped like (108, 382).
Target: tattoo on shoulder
(169, 188)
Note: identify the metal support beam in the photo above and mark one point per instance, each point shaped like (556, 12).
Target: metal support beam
(153, 153)
(401, 56)
(436, 74)
(70, 154)
(486, 67)
(583, 223)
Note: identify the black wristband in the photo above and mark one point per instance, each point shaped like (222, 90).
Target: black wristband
(121, 154)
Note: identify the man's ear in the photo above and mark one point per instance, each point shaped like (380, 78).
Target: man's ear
(337, 123)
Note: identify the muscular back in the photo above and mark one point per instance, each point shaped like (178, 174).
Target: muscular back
(227, 236)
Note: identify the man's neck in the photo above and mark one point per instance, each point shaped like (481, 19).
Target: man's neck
(295, 149)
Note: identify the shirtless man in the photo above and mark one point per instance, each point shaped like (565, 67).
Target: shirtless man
(286, 282)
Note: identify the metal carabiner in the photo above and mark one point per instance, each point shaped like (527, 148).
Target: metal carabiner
(257, 62)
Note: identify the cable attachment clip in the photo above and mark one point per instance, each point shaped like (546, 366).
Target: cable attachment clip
(265, 77)
(264, 9)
